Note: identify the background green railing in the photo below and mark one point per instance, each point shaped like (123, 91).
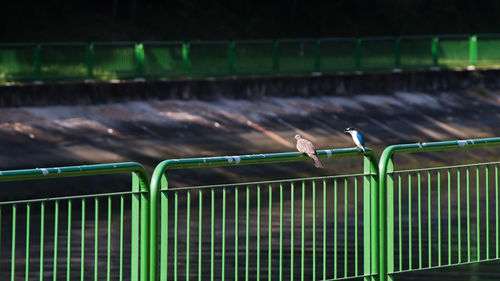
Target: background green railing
(437, 217)
(60, 227)
(108, 60)
(226, 231)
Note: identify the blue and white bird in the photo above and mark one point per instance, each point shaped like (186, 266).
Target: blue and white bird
(357, 138)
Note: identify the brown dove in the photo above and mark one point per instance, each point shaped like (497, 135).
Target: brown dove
(308, 148)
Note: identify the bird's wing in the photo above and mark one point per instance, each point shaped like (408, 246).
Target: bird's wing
(306, 146)
(360, 139)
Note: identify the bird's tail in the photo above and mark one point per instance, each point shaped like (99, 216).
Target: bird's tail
(317, 163)
(364, 151)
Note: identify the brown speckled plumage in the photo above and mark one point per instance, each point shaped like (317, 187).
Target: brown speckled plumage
(308, 148)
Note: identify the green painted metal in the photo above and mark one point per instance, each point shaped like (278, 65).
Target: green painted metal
(378, 210)
(56, 229)
(435, 51)
(473, 50)
(387, 217)
(28, 223)
(139, 59)
(13, 251)
(185, 58)
(160, 190)
(141, 186)
(108, 60)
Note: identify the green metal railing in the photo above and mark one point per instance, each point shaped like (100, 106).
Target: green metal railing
(108, 60)
(374, 225)
(188, 243)
(440, 233)
(41, 216)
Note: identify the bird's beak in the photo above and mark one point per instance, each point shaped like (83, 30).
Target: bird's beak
(345, 132)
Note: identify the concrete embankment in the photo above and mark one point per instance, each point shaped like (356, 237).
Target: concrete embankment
(245, 87)
(72, 124)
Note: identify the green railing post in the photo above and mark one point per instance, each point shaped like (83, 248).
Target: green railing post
(139, 59)
(230, 57)
(186, 61)
(317, 55)
(357, 54)
(372, 246)
(389, 254)
(276, 56)
(90, 61)
(473, 50)
(38, 61)
(435, 51)
(397, 53)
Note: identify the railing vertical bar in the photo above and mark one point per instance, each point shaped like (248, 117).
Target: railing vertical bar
(122, 205)
(96, 237)
(345, 227)
(355, 227)
(164, 235)
(410, 263)
(335, 234)
(13, 250)
(200, 229)
(270, 232)
(302, 231)
(188, 231)
(459, 219)
(496, 212)
(429, 215)
(324, 229)
(390, 214)
(478, 223)
(108, 261)
(419, 187)
(56, 230)
(449, 216)
(400, 218)
(212, 234)
(42, 233)
(467, 178)
(0, 229)
(82, 248)
(176, 234)
(223, 254)
(235, 232)
(28, 223)
(487, 187)
(281, 233)
(258, 232)
(291, 230)
(439, 215)
(314, 227)
(247, 227)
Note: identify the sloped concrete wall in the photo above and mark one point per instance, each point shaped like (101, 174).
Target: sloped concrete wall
(246, 87)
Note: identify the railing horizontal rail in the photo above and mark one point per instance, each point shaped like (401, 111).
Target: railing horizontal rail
(443, 167)
(51, 199)
(244, 184)
(443, 266)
